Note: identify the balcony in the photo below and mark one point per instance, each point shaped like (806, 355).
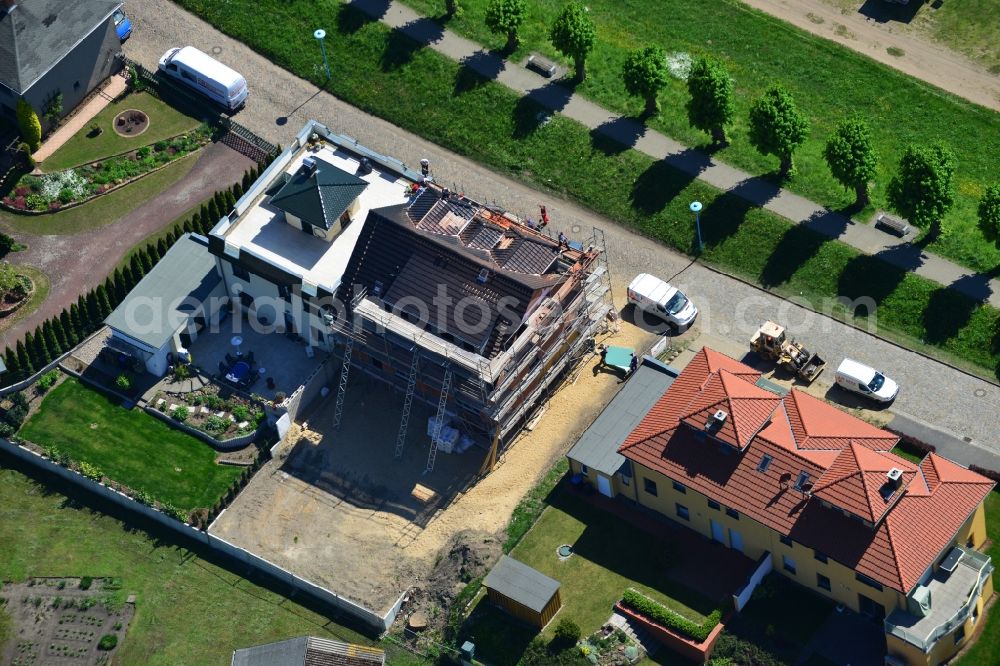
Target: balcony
(953, 596)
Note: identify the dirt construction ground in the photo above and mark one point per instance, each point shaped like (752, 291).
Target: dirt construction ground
(335, 507)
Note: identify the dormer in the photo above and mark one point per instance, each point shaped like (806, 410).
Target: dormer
(319, 198)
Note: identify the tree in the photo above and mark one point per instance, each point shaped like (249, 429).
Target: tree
(711, 106)
(54, 108)
(922, 190)
(78, 317)
(8, 279)
(128, 279)
(28, 124)
(103, 302)
(220, 203)
(989, 214)
(62, 340)
(645, 74)
(138, 270)
(230, 200)
(505, 17)
(8, 245)
(66, 323)
(451, 8)
(776, 126)
(213, 211)
(246, 180)
(850, 154)
(118, 287)
(49, 335)
(162, 247)
(93, 310)
(24, 360)
(237, 190)
(146, 260)
(573, 35)
(42, 352)
(13, 365)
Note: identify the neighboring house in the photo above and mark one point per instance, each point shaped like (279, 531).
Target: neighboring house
(49, 47)
(308, 651)
(163, 314)
(817, 490)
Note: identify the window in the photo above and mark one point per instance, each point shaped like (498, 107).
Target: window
(861, 578)
(819, 557)
(786, 540)
(682, 512)
(765, 462)
(649, 486)
(802, 482)
(960, 634)
(283, 291)
(679, 487)
(584, 469)
(187, 75)
(712, 504)
(733, 513)
(240, 272)
(822, 582)
(788, 564)
(626, 480)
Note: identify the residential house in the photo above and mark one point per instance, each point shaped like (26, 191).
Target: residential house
(51, 47)
(308, 651)
(818, 491)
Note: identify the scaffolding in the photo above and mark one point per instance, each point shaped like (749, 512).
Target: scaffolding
(338, 410)
(404, 421)
(438, 420)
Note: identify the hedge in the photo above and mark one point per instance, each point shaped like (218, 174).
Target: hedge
(661, 614)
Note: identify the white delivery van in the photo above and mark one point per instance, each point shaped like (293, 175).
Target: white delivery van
(869, 382)
(205, 74)
(651, 294)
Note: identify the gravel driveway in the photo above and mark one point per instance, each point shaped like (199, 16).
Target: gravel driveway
(280, 103)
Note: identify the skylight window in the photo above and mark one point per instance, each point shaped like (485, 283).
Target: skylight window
(765, 462)
(802, 481)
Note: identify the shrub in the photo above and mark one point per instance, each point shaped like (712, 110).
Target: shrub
(143, 152)
(36, 202)
(108, 642)
(214, 402)
(86, 582)
(181, 371)
(15, 415)
(181, 414)
(668, 618)
(216, 424)
(6, 429)
(241, 413)
(161, 145)
(66, 195)
(90, 471)
(46, 381)
(567, 632)
(29, 125)
(123, 382)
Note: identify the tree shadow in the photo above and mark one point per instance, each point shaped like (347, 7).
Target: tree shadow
(358, 13)
(657, 186)
(797, 246)
(617, 135)
(535, 108)
(477, 70)
(950, 307)
(869, 276)
(722, 218)
(403, 43)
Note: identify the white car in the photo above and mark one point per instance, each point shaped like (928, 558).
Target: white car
(869, 382)
(651, 294)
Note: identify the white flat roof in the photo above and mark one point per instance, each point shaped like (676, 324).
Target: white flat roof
(263, 232)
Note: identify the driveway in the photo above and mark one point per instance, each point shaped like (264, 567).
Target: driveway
(280, 104)
(77, 263)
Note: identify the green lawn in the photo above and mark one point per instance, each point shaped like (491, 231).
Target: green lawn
(390, 76)
(907, 453)
(188, 610)
(104, 209)
(967, 26)
(129, 446)
(164, 121)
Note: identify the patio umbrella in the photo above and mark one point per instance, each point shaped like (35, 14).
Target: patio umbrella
(236, 341)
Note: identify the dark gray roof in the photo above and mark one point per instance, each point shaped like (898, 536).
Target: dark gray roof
(37, 34)
(320, 196)
(308, 651)
(516, 580)
(597, 448)
(183, 278)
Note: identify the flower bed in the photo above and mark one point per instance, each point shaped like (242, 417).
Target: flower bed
(668, 618)
(210, 413)
(54, 191)
(16, 297)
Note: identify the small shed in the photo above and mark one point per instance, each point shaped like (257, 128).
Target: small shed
(525, 593)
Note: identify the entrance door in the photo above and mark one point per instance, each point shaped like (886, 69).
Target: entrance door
(735, 540)
(718, 533)
(604, 485)
(870, 608)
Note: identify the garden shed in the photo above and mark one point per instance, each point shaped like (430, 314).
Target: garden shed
(525, 593)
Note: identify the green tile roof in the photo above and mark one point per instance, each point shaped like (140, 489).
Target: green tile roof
(319, 197)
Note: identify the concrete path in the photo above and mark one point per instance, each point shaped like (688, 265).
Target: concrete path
(632, 133)
(114, 86)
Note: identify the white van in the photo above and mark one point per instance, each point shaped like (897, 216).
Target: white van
(869, 382)
(651, 294)
(207, 75)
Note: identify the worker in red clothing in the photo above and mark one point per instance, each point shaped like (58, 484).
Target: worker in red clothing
(544, 215)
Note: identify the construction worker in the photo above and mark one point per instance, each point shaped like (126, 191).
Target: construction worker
(544, 215)
(425, 167)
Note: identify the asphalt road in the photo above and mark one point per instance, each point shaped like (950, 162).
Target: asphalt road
(280, 103)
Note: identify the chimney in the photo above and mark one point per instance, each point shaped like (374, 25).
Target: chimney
(716, 420)
(895, 477)
(309, 165)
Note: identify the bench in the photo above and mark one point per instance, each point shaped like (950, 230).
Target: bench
(545, 67)
(893, 224)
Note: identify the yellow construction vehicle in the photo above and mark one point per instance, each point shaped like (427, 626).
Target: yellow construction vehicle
(771, 343)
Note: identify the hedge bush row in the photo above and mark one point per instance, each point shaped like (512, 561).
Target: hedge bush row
(661, 614)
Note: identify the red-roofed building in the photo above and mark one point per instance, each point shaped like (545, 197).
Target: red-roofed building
(820, 491)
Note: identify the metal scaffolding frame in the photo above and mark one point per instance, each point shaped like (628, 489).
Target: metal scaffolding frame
(404, 420)
(439, 420)
(338, 410)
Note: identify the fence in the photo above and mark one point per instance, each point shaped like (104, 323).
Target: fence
(25, 383)
(332, 600)
(742, 596)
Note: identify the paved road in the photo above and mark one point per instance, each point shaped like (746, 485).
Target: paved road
(280, 104)
(77, 263)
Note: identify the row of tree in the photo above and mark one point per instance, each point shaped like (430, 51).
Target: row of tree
(61, 333)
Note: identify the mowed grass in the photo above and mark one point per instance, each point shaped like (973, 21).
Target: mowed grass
(389, 75)
(129, 446)
(828, 81)
(188, 610)
(164, 121)
(967, 26)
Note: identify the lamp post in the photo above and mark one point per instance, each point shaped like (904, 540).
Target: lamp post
(320, 34)
(696, 209)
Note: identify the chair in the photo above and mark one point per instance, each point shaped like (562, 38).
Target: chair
(230, 360)
(223, 369)
(249, 358)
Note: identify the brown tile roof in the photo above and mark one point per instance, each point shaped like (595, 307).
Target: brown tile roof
(846, 461)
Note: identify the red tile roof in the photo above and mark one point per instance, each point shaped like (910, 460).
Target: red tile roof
(846, 460)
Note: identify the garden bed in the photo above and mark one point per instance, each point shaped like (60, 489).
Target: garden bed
(206, 410)
(14, 298)
(48, 193)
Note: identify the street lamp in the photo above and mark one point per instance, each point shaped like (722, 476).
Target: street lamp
(696, 209)
(320, 34)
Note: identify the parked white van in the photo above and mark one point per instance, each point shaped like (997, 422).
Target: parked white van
(205, 74)
(869, 382)
(651, 294)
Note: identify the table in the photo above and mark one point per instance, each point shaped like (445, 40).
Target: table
(238, 372)
(618, 357)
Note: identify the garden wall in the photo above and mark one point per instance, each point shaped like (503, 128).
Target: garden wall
(764, 567)
(324, 375)
(233, 444)
(686, 647)
(339, 604)
(25, 383)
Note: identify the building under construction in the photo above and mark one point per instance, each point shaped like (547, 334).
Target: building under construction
(464, 307)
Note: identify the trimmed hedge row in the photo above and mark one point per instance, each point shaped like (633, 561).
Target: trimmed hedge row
(659, 613)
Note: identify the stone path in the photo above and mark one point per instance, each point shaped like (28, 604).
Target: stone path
(114, 86)
(632, 133)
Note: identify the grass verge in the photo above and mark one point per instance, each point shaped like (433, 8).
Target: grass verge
(104, 209)
(129, 446)
(164, 121)
(391, 76)
(38, 296)
(532, 504)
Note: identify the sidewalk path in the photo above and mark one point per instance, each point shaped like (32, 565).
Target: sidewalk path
(757, 191)
(114, 86)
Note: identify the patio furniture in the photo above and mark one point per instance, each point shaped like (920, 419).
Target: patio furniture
(618, 357)
(250, 356)
(238, 373)
(230, 360)
(223, 368)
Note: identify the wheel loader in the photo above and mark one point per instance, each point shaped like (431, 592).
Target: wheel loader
(771, 342)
